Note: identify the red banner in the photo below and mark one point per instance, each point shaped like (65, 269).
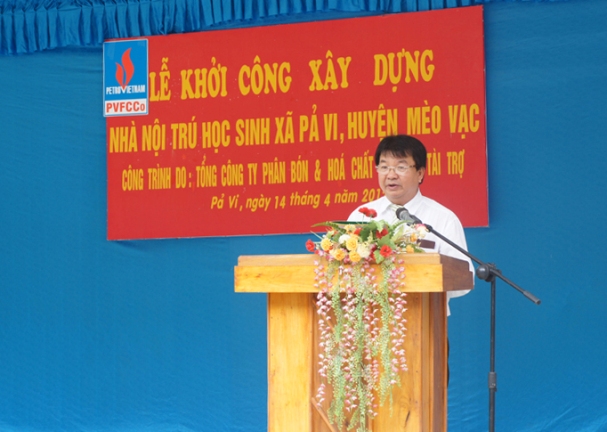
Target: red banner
(269, 130)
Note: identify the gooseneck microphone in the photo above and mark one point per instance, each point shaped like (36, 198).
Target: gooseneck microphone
(403, 214)
(487, 272)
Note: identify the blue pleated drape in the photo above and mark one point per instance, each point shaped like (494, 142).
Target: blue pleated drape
(27, 26)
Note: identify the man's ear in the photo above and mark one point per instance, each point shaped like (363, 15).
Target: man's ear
(421, 173)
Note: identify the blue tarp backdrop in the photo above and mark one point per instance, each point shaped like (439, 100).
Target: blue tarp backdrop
(149, 335)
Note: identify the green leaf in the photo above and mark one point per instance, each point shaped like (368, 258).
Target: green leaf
(378, 257)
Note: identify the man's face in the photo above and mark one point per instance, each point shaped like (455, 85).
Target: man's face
(399, 188)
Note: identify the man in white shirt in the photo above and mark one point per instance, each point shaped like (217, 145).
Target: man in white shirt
(401, 165)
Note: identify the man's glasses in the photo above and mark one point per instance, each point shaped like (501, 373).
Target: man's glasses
(399, 169)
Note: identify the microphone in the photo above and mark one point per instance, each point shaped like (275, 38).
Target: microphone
(403, 214)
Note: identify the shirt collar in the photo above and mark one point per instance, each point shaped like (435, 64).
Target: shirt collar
(411, 206)
(386, 210)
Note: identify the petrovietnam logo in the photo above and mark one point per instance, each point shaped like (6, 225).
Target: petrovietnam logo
(125, 71)
(125, 78)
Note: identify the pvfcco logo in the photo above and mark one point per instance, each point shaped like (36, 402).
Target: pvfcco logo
(125, 78)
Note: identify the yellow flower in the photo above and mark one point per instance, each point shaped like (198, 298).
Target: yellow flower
(325, 244)
(413, 238)
(338, 254)
(355, 257)
(352, 243)
(409, 249)
(350, 229)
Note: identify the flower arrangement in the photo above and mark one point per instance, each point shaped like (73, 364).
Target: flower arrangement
(360, 316)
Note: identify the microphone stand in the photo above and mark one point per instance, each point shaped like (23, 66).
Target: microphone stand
(487, 272)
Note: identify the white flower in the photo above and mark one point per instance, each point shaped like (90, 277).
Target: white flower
(344, 238)
(421, 231)
(363, 250)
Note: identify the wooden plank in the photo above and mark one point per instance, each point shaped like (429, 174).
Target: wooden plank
(407, 408)
(458, 271)
(325, 424)
(309, 259)
(320, 418)
(419, 404)
(277, 260)
(295, 273)
(437, 385)
(289, 362)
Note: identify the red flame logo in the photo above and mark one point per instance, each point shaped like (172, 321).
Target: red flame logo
(124, 71)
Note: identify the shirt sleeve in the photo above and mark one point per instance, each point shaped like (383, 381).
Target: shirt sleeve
(454, 231)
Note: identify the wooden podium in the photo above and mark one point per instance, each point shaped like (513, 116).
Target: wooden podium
(419, 404)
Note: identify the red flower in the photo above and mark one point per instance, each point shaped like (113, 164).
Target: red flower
(358, 230)
(385, 251)
(382, 233)
(368, 212)
(310, 246)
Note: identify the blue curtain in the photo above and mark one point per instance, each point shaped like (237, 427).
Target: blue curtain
(28, 26)
(149, 336)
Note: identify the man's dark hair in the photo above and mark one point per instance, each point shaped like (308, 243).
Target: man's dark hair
(402, 146)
